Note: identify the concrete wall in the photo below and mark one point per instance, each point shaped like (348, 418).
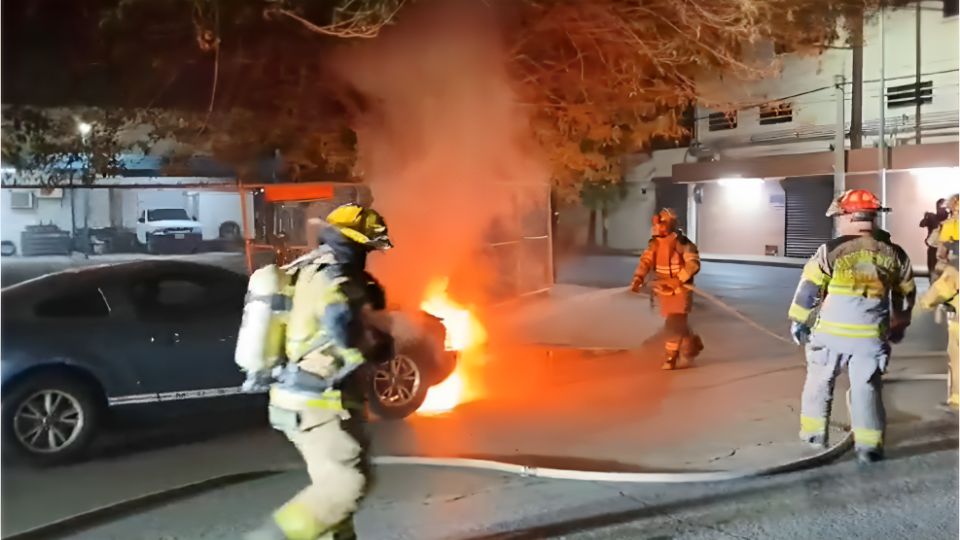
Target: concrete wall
(940, 58)
(56, 211)
(629, 224)
(740, 219)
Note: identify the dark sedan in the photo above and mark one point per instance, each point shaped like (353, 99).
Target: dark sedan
(153, 339)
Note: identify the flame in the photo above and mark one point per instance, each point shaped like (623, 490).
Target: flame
(465, 334)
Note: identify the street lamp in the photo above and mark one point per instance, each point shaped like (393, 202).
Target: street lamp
(84, 129)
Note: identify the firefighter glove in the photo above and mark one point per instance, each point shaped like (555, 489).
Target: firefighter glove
(896, 333)
(800, 333)
(257, 381)
(636, 284)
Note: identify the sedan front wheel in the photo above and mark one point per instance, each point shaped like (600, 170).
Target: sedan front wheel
(50, 418)
(397, 387)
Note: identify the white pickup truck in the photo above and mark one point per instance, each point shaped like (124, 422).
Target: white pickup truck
(169, 230)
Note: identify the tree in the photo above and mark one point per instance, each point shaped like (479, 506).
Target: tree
(601, 196)
(612, 74)
(600, 78)
(64, 147)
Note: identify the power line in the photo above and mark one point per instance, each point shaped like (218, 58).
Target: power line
(831, 87)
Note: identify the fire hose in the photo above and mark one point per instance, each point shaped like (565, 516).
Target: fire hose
(143, 503)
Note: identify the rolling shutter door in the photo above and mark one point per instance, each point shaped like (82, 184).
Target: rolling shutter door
(807, 200)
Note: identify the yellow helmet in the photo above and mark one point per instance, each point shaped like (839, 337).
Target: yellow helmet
(362, 225)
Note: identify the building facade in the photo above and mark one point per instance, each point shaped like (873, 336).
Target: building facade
(758, 179)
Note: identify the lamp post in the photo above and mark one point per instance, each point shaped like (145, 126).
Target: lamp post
(84, 129)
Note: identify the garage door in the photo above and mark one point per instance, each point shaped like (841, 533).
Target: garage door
(807, 200)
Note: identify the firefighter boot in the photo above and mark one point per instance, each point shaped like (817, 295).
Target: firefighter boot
(671, 360)
(866, 456)
(690, 348)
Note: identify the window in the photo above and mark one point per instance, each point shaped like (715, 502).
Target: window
(907, 95)
(185, 296)
(164, 214)
(951, 8)
(79, 304)
(720, 121)
(776, 113)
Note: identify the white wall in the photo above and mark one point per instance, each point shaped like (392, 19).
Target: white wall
(911, 194)
(628, 225)
(740, 220)
(940, 59)
(56, 211)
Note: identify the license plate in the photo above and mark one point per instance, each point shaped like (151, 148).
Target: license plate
(283, 419)
(179, 236)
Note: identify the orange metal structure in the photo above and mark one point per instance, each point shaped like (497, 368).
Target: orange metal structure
(255, 200)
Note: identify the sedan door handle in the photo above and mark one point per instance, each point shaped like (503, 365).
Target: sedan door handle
(174, 337)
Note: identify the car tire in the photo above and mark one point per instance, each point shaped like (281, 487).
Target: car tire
(396, 388)
(229, 231)
(71, 407)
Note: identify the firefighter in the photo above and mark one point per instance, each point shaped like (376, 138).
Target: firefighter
(327, 338)
(854, 298)
(943, 295)
(675, 261)
(948, 237)
(944, 292)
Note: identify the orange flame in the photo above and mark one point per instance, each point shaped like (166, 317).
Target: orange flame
(465, 334)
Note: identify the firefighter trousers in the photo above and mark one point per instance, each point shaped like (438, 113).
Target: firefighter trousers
(953, 351)
(324, 509)
(680, 338)
(865, 370)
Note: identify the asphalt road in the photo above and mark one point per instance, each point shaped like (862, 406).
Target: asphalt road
(912, 495)
(761, 292)
(603, 411)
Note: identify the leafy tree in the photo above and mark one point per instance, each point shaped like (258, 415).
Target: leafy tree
(246, 78)
(66, 147)
(601, 197)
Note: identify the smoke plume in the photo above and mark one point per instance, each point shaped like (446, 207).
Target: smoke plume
(440, 135)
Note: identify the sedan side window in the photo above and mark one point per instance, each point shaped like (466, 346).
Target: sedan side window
(84, 303)
(176, 297)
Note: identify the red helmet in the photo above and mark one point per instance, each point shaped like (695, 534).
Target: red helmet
(856, 201)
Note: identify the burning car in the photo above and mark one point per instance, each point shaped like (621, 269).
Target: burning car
(147, 341)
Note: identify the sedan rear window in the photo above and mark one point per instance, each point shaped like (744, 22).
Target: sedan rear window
(84, 303)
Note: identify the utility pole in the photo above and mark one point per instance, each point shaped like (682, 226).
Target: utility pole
(839, 150)
(917, 83)
(856, 105)
(881, 146)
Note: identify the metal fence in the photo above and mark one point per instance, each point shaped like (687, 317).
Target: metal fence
(520, 248)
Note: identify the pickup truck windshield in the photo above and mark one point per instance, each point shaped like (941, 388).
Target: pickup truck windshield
(165, 214)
